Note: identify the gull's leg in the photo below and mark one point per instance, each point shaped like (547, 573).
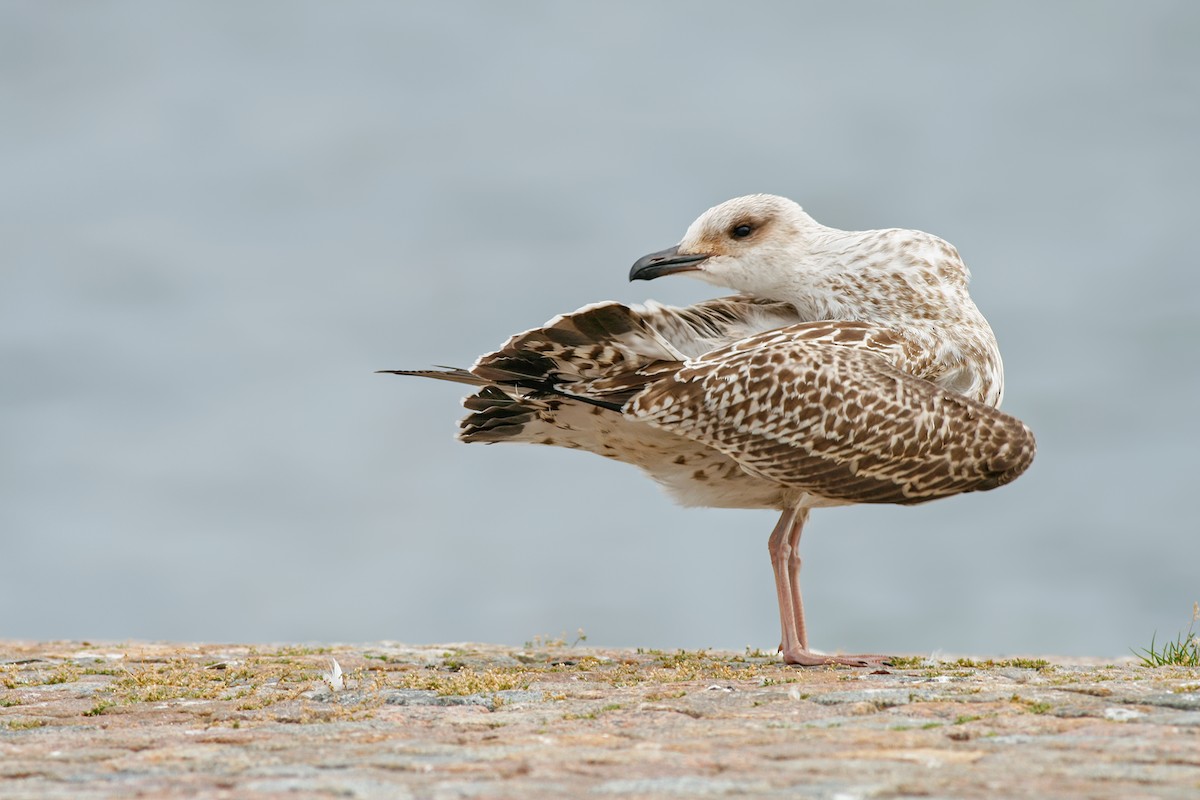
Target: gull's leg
(793, 568)
(779, 547)
(784, 545)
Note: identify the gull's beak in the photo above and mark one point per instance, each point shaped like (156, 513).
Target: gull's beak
(665, 262)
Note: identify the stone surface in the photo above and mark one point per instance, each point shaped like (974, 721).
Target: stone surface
(86, 720)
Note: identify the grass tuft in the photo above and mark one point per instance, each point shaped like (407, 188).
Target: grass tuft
(465, 681)
(101, 707)
(1032, 706)
(24, 724)
(543, 642)
(1183, 652)
(905, 662)
(1039, 664)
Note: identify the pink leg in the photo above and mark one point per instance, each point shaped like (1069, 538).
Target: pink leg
(784, 546)
(780, 546)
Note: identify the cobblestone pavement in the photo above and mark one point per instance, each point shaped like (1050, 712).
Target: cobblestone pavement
(88, 720)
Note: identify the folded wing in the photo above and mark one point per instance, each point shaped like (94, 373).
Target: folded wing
(836, 420)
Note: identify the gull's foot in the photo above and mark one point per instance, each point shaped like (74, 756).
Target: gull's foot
(807, 658)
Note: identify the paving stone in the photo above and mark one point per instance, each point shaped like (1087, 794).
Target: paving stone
(689, 785)
(116, 720)
(1184, 701)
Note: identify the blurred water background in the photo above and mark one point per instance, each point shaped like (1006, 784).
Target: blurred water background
(217, 219)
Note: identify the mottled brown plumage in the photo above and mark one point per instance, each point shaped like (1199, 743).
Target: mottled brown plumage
(853, 369)
(835, 420)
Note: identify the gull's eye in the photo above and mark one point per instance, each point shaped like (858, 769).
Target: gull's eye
(741, 231)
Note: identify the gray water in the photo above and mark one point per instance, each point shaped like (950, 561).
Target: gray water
(218, 219)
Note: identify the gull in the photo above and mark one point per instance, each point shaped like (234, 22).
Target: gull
(850, 367)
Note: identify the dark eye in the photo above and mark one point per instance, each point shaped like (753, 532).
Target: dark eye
(741, 231)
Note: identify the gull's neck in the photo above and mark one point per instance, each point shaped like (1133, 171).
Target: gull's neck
(891, 277)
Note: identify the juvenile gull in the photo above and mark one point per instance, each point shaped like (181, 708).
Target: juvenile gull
(852, 367)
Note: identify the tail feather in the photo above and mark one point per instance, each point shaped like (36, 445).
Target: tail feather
(453, 374)
(602, 356)
(590, 343)
(496, 415)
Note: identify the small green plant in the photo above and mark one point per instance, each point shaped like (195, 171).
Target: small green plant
(1183, 652)
(100, 708)
(67, 673)
(1032, 706)
(465, 681)
(990, 663)
(905, 662)
(25, 724)
(778, 682)
(297, 650)
(543, 642)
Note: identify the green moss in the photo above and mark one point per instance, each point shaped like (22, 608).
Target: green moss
(594, 714)
(66, 673)
(905, 662)
(24, 724)
(1032, 706)
(543, 642)
(465, 681)
(100, 708)
(1018, 663)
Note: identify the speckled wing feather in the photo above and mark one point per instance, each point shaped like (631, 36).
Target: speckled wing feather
(602, 354)
(597, 339)
(837, 420)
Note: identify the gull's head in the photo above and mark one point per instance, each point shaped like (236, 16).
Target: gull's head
(752, 244)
